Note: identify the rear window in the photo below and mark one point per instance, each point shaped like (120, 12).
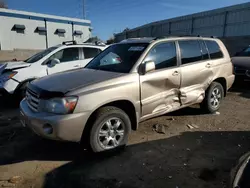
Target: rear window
(214, 49)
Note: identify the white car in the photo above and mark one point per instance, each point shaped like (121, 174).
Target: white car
(14, 76)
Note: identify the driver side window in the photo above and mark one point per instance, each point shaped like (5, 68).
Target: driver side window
(163, 55)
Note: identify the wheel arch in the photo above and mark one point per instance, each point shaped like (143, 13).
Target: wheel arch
(223, 82)
(125, 105)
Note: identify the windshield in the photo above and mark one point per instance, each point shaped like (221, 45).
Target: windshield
(40, 55)
(118, 58)
(245, 52)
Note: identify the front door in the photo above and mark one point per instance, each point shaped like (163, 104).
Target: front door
(69, 59)
(196, 71)
(160, 88)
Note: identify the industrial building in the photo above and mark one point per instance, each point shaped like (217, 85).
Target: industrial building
(32, 31)
(231, 24)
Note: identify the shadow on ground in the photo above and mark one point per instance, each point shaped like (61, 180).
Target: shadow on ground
(192, 159)
(241, 87)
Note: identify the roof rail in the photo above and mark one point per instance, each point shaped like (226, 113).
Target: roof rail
(97, 43)
(171, 36)
(72, 42)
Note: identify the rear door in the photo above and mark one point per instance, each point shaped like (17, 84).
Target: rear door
(196, 71)
(88, 54)
(70, 58)
(160, 88)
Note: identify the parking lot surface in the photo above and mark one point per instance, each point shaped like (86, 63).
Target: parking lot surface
(191, 150)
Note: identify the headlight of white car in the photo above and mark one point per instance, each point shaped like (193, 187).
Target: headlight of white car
(64, 105)
(8, 75)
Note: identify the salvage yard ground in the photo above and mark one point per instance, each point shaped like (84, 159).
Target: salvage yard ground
(197, 150)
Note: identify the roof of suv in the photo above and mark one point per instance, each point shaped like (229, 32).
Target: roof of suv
(151, 39)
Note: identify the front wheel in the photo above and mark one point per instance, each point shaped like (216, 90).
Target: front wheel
(213, 98)
(110, 130)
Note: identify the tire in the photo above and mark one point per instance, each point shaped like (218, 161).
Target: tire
(209, 105)
(105, 133)
(21, 92)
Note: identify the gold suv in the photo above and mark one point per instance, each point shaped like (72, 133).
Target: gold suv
(129, 82)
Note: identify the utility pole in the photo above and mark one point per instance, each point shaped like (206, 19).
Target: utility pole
(83, 11)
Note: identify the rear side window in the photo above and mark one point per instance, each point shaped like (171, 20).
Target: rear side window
(190, 51)
(90, 52)
(214, 49)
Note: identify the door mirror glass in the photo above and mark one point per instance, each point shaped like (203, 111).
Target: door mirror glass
(148, 66)
(53, 62)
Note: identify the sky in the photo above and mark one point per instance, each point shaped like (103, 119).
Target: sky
(113, 16)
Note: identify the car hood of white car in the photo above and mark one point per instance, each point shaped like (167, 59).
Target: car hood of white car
(16, 64)
(13, 65)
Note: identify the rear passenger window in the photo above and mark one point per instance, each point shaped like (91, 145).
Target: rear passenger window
(90, 52)
(164, 55)
(214, 49)
(190, 51)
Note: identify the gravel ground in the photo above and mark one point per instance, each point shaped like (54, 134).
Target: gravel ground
(197, 150)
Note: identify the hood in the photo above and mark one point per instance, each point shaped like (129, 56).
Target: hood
(243, 62)
(16, 64)
(68, 81)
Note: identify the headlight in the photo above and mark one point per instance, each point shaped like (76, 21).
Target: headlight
(8, 75)
(59, 105)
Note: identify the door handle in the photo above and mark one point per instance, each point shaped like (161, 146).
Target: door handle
(77, 65)
(208, 65)
(175, 73)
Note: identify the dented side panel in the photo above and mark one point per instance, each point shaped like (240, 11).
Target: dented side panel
(160, 92)
(195, 79)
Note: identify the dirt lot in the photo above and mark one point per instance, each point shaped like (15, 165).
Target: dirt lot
(183, 157)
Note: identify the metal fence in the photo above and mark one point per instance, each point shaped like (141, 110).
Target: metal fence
(230, 21)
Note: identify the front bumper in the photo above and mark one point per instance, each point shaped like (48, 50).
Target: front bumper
(9, 86)
(65, 127)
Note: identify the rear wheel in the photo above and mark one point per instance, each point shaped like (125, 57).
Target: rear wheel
(213, 98)
(110, 130)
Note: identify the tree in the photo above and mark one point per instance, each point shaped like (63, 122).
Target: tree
(111, 40)
(3, 4)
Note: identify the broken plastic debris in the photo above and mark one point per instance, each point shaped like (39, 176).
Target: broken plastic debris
(195, 126)
(190, 126)
(216, 113)
(161, 129)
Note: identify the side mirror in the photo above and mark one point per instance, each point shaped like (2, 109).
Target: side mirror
(53, 62)
(146, 67)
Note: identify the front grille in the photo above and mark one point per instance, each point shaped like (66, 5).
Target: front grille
(32, 99)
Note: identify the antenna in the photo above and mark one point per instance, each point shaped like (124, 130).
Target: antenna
(83, 9)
